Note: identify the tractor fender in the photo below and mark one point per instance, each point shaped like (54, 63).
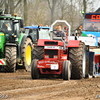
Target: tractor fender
(73, 43)
(29, 36)
(10, 44)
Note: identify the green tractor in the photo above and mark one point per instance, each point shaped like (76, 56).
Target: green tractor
(15, 47)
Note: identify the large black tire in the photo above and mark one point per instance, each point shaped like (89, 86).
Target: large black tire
(66, 73)
(10, 55)
(34, 70)
(38, 52)
(77, 56)
(27, 60)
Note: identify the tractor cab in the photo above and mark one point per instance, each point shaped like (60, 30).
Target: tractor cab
(10, 27)
(37, 32)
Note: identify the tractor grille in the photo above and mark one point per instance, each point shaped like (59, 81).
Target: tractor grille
(51, 43)
(51, 53)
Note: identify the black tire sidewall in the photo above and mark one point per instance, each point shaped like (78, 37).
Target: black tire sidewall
(63, 70)
(66, 70)
(84, 53)
(76, 55)
(34, 69)
(9, 67)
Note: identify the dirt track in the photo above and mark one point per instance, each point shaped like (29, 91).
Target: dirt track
(20, 86)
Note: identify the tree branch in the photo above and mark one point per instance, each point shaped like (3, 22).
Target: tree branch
(54, 1)
(17, 4)
(49, 4)
(1, 3)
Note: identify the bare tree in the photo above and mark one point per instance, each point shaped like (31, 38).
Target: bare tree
(10, 5)
(46, 11)
(88, 5)
(71, 13)
(64, 8)
(38, 12)
(6, 6)
(84, 5)
(1, 3)
(25, 12)
(52, 8)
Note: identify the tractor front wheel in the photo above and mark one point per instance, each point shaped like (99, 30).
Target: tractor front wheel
(26, 54)
(10, 55)
(34, 70)
(66, 73)
(38, 52)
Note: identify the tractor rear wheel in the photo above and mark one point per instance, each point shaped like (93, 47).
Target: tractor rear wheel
(77, 56)
(10, 55)
(34, 70)
(38, 52)
(26, 54)
(66, 73)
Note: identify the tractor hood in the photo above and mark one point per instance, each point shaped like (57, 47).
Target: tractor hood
(43, 42)
(2, 41)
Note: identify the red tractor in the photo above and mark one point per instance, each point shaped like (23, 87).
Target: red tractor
(50, 57)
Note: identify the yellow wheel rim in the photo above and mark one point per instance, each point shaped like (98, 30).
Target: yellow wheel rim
(28, 55)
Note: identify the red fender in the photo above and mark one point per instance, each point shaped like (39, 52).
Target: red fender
(73, 43)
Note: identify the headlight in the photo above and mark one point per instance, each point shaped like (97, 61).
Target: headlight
(55, 56)
(46, 56)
